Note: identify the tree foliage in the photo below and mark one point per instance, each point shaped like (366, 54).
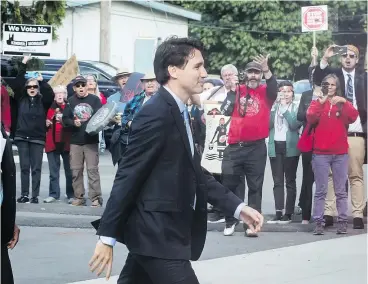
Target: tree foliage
(38, 13)
(235, 31)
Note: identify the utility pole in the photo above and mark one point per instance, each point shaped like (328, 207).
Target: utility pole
(105, 23)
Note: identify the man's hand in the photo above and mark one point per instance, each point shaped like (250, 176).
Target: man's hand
(48, 122)
(77, 121)
(234, 81)
(252, 218)
(337, 99)
(15, 238)
(263, 61)
(328, 53)
(102, 258)
(314, 52)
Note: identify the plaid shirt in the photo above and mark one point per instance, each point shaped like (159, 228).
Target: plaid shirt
(131, 108)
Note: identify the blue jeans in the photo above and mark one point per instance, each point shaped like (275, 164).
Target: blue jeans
(321, 166)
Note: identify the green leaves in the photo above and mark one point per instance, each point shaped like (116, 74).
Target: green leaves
(235, 31)
(39, 13)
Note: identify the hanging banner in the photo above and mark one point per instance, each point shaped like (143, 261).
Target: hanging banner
(217, 129)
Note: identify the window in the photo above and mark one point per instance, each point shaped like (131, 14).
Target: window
(84, 70)
(144, 51)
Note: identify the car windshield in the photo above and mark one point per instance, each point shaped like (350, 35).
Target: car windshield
(109, 69)
(301, 86)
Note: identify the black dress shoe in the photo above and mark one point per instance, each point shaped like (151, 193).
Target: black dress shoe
(358, 223)
(329, 221)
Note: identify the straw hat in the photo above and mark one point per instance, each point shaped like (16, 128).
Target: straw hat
(149, 76)
(122, 72)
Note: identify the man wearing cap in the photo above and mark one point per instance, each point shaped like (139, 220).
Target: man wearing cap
(121, 78)
(249, 106)
(83, 147)
(357, 132)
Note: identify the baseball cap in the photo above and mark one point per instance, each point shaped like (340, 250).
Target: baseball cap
(79, 79)
(253, 66)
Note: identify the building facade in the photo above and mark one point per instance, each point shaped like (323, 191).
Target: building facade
(136, 27)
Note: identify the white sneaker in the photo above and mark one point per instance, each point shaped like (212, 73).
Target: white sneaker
(229, 230)
(49, 200)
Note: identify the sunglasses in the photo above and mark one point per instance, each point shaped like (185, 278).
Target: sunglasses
(29, 87)
(352, 56)
(80, 85)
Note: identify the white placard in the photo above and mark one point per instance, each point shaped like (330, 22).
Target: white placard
(217, 129)
(314, 18)
(22, 39)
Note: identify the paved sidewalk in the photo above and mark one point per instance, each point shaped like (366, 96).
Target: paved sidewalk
(337, 261)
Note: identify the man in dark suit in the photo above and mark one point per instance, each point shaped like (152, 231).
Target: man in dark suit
(357, 132)
(158, 203)
(9, 230)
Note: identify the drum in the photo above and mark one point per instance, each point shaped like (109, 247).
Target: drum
(101, 118)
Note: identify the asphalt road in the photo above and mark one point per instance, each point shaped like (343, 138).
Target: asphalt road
(59, 214)
(61, 255)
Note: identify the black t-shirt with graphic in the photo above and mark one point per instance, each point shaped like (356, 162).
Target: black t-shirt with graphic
(83, 109)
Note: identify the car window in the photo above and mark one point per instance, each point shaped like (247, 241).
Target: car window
(301, 87)
(84, 70)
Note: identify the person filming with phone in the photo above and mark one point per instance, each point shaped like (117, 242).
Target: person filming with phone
(332, 113)
(357, 133)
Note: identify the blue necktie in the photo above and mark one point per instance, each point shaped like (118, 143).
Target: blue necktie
(189, 131)
(349, 89)
(190, 137)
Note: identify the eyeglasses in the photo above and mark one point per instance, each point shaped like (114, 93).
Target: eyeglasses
(29, 87)
(351, 56)
(80, 85)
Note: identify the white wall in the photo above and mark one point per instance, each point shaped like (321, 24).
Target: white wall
(80, 33)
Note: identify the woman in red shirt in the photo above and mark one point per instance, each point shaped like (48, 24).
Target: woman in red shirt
(331, 115)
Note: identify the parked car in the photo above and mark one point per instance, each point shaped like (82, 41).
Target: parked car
(102, 71)
(300, 87)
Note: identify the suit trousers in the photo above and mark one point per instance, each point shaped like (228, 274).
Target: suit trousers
(6, 269)
(140, 269)
(356, 179)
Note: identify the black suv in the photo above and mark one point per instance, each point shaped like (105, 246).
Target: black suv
(102, 71)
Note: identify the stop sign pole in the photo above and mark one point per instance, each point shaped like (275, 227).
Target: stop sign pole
(314, 18)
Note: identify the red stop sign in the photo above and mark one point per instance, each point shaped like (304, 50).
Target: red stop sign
(314, 18)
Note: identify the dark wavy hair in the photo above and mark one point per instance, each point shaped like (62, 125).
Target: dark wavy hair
(174, 51)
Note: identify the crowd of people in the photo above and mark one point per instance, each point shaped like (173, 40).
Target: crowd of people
(332, 143)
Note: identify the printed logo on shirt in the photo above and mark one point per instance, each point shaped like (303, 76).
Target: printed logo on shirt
(83, 111)
(253, 106)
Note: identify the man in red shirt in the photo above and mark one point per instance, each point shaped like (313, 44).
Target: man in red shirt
(249, 106)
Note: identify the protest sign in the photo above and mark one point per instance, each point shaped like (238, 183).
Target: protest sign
(217, 129)
(19, 39)
(66, 73)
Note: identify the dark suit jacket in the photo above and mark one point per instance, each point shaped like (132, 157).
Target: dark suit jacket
(9, 191)
(361, 96)
(150, 206)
